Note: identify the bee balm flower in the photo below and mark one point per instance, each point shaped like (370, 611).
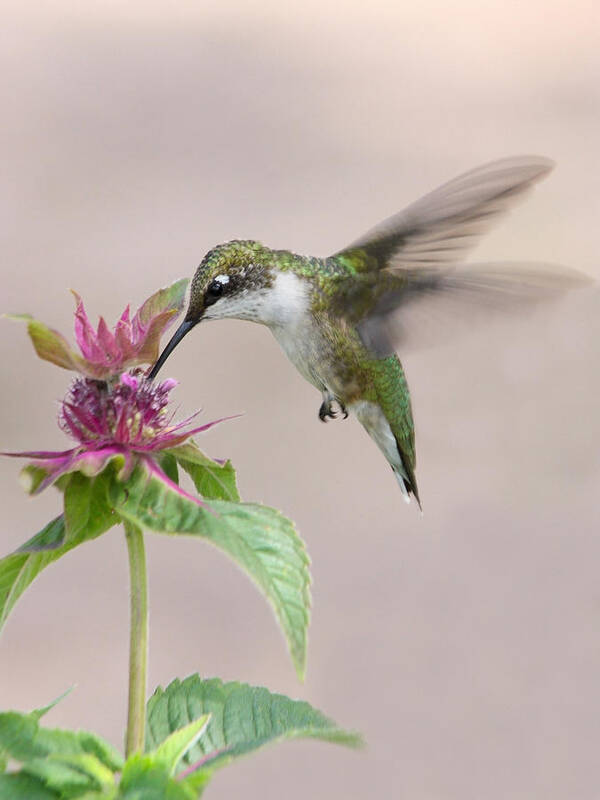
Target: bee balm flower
(113, 415)
(127, 421)
(105, 353)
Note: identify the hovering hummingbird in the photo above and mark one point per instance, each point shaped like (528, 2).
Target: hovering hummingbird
(339, 319)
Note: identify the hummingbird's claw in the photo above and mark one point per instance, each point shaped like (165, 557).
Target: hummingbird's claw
(327, 411)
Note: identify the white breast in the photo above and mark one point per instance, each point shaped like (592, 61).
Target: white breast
(291, 323)
(287, 301)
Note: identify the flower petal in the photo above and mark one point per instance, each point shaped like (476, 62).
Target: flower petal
(47, 469)
(84, 332)
(107, 342)
(170, 437)
(39, 454)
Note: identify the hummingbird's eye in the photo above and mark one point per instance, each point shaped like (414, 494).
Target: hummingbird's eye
(214, 290)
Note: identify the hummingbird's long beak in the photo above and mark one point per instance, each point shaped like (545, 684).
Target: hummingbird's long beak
(185, 327)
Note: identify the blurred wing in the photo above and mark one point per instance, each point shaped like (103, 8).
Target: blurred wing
(440, 227)
(428, 306)
(409, 285)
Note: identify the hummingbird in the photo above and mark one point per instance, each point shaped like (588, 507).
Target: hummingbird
(341, 318)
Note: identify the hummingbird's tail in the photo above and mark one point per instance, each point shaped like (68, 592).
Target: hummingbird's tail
(408, 486)
(372, 418)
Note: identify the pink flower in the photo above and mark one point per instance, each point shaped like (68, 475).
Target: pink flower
(115, 416)
(106, 353)
(126, 421)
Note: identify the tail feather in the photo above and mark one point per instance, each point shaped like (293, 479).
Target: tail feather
(408, 484)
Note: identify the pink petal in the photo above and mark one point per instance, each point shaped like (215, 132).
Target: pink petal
(130, 380)
(122, 430)
(148, 338)
(87, 420)
(52, 468)
(172, 439)
(123, 338)
(49, 454)
(107, 341)
(84, 332)
(89, 462)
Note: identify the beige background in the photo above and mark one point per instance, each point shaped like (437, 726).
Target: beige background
(464, 644)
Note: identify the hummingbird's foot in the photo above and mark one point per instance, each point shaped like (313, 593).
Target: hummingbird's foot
(327, 410)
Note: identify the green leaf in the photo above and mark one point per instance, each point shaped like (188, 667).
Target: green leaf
(49, 538)
(88, 516)
(71, 775)
(87, 511)
(168, 464)
(23, 739)
(145, 779)
(243, 718)
(17, 571)
(259, 539)
(211, 479)
(170, 751)
(17, 786)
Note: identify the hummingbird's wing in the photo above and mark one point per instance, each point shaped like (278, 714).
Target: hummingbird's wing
(407, 271)
(428, 306)
(444, 224)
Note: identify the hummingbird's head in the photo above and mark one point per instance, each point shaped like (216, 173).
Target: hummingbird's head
(233, 280)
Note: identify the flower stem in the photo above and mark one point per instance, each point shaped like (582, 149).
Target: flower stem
(138, 640)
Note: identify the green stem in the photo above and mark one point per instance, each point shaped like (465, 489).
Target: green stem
(138, 640)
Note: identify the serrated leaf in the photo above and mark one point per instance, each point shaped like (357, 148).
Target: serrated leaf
(86, 521)
(145, 779)
(212, 479)
(24, 739)
(243, 718)
(170, 751)
(70, 776)
(17, 786)
(259, 539)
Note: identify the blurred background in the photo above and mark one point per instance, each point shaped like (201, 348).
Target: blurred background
(464, 644)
